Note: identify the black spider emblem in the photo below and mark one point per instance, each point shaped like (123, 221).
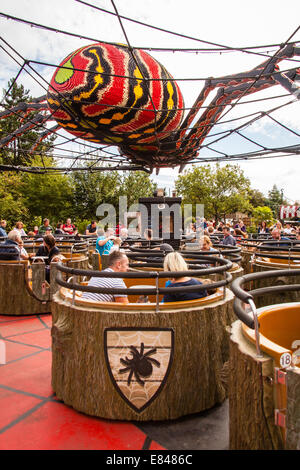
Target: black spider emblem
(139, 365)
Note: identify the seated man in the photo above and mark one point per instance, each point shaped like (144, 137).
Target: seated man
(91, 228)
(175, 262)
(117, 262)
(276, 235)
(46, 226)
(228, 238)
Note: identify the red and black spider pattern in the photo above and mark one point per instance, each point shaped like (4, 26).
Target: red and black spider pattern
(140, 365)
(110, 94)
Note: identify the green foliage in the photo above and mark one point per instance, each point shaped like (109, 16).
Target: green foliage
(12, 206)
(47, 195)
(222, 190)
(261, 214)
(275, 200)
(17, 152)
(135, 185)
(256, 198)
(81, 225)
(90, 189)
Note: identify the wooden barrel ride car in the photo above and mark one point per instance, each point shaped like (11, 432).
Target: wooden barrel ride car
(23, 285)
(17, 294)
(264, 369)
(232, 253)
(140, 361)
(270, 256)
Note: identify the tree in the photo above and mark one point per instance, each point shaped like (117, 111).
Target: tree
(275, 200)
(46, 195)
(261, 214)
(256, 198)
(136, 184)
(222, 190)
(17, 152)
(90, 189)
(12, 204)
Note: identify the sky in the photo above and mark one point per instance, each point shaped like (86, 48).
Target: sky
(229, 24)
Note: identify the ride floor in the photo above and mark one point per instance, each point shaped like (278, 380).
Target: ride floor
(31, 418)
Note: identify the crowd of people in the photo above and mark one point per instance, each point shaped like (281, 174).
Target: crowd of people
(233, 233)
(109, 242)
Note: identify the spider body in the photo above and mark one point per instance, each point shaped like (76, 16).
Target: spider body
(140, 365)
(92, 97)
(112, 95)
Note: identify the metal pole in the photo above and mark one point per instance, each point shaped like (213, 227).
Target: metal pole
(253, 308)
(157, 293)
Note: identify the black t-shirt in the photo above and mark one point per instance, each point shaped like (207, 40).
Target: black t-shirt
(91, 229)
(180, 296)
(42, 251)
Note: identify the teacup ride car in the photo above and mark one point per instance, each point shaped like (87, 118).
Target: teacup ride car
(23, 285)
(99, 262)
(264, 367)
(18, 296)
(140, 361)
(233, 253)
(248, 248)
(273, 255)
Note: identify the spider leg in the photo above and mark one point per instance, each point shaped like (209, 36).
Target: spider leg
(125, 363)
(36, 121)
(233, 87)
(142, 349)
(43, 136)
(134, 350)
(122, 371)
(36, 104)
(152, 351)
(139, 380)
(129, 377)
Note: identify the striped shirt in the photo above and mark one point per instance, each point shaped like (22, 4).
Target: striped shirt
(105, 282)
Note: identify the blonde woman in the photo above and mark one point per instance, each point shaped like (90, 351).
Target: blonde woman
(206, 244)
(174, 262)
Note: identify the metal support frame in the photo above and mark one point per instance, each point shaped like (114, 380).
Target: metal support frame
(256, 327)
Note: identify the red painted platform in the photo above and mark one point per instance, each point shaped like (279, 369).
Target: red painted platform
(30, 415)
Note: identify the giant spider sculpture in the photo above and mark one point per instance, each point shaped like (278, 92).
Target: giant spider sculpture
(139, 365)
(110, 94)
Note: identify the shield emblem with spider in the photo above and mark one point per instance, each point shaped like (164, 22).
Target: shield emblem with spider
(139, 361)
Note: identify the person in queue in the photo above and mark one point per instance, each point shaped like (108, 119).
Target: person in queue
(228, 238)
(174, 262)
(91, 228)
(3, 228)
(104, 242)
(117, 263)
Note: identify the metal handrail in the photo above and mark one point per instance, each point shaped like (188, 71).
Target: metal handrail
(243, 297)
